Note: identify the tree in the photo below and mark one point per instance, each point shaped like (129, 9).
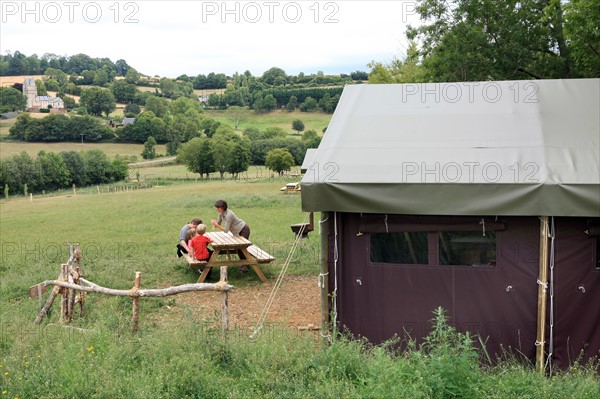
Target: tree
(97, 167)
(292, 104)
(54, 171)
(119, 168)
(311, 139)
(149, 148)
(122, 67)
(76, 166)
(240, 158)
(309, 105)
(408, 70)
(101, 78)
(266, 103)
(298, 125)
(236, 115)
(158, 106)
(582, 19)
(41, 87)
(465, 40)
(132, 110)
(97, 101)
(11, 100)
(197, 155)
(124, 92)
(145, 125)
(279, 160)
(68, 101)
(132, 76)
(272, 74)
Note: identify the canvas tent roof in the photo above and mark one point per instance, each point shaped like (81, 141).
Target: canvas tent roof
(474, 148)
(308, 159)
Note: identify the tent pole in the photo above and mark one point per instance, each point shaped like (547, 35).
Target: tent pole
(542, 295)
(324, 277)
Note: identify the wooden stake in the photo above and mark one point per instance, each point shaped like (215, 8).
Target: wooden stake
(136, 302)
(47, 305)
(224, 302)
(542, 295)
(324, 276)
(71, 300)
(64, 306)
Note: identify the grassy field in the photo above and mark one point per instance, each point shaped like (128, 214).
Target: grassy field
(124, 232)
(279, 118)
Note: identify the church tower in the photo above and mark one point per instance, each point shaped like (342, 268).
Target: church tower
(30, 91)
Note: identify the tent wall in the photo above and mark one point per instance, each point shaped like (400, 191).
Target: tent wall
(379, 301)
(577, 292)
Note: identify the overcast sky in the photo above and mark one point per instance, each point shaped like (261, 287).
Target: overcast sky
(170, 38)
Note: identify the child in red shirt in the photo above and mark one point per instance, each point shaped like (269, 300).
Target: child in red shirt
(199, 243)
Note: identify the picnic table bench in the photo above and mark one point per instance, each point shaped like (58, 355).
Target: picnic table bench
(228, 245)
(291, 188)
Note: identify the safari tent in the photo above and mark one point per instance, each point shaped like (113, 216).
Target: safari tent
(479, 197)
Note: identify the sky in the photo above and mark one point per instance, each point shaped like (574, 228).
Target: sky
(171, 38)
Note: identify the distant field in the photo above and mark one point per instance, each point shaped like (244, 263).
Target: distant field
(11, 148)
(280, 118)
(11, 80)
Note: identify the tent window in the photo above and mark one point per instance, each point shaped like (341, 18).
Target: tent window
(467, 248)
(402, 248)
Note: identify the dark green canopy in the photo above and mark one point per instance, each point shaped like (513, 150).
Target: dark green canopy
(473, 148)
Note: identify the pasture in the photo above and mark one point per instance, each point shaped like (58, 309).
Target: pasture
(280, 118)
(179, 353)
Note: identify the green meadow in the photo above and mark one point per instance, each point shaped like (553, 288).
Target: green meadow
(280, 118)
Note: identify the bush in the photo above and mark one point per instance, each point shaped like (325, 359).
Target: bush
(45, 110)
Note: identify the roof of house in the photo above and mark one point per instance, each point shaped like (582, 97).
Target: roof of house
(48, 98)
(474, 148)
(128, 121)
(9, 115)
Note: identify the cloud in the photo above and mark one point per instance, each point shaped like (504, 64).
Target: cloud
(170, 38)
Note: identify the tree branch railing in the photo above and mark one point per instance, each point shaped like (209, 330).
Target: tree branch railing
(72, 287)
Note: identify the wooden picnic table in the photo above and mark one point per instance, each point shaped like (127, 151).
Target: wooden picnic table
(228, 245)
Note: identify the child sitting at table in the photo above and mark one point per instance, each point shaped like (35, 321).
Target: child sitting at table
(199, 243)
(189, 235)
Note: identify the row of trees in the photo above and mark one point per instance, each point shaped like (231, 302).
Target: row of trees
(17, 63)
(227, 152)
(21, 174)
(59, 127)
(307, 100)
(464, 40)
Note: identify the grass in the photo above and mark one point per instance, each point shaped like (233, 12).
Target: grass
(279, 118)
(11, 148)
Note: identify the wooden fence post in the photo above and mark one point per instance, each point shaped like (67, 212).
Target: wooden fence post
(64, 304)
(136, 302)
(224, 302)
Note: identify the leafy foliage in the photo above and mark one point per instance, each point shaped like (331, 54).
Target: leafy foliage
(59, 127)
(463, 40)
(98, 101)
(52, 171)
(279, 160)
(11, 100)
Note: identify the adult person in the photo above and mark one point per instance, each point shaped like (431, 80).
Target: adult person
(182, 247)
(229, 222)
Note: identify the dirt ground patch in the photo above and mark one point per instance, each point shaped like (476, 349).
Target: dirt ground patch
(296, 304)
